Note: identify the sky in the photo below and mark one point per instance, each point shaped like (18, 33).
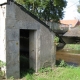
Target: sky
(71, 10)
(2, 1)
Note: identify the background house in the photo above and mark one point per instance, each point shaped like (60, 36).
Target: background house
(71, 23)
(73, 34)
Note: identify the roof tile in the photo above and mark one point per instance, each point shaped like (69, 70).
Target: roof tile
(69, 22)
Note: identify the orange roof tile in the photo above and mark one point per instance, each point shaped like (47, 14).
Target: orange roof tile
(73, 23)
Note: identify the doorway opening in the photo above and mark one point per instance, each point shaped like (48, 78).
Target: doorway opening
(24, 51)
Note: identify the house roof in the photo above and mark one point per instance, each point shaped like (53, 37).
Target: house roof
(73, 23)
(75, 32)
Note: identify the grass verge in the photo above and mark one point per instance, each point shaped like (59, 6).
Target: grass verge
(72, 46)
(58, 73)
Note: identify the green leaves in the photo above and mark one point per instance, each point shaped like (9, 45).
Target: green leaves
(2, 64)
(78, 8)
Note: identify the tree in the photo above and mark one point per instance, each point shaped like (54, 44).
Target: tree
(45, 9)
(78, 7)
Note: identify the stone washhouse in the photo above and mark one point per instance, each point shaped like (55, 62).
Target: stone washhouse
(22, 31)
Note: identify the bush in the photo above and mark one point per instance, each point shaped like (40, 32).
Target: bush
(2, 64)
(56, 39)
(61, 63)
(48, 69)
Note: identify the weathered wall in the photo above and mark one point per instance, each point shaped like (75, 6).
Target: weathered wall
(47, 55)
(17, 19)
(32, 49)
(12, 43)
(42, 51)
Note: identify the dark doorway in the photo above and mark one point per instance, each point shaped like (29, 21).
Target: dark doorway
(24, 51)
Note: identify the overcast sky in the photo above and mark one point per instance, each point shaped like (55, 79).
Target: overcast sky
(71, 10)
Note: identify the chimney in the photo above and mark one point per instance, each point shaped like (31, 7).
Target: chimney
(75, 18)
(70, 25)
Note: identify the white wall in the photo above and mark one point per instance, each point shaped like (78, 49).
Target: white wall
(2, 1)
(2, 33)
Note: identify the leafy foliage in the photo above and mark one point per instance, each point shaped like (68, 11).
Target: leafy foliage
(45, 9)
(1, 73)
(2, 64)
(11, 78)
(78, 7)
(48, 69)
(29, 77)
(56, 39)
(63, 63)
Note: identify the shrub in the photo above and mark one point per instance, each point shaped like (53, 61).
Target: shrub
(48, 69)
(2, 64)
(63, 63)
(56, 39)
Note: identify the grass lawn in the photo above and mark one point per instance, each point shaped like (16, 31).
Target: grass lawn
(58, 73)
(72, 46)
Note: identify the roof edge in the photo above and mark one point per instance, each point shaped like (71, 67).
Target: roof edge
(32, 15)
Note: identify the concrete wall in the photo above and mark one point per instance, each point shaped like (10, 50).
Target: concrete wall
(32, 49)
(47, 48)
(17, 19)
(42, 53)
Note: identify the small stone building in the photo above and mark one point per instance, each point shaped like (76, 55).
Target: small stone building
(17, 23)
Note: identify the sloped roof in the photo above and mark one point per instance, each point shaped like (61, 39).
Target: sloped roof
(69, 22)
(49, 25)
(75, 32)
(31, 14)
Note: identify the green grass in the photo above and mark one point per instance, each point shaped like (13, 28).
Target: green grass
(62, 71)
(72, 46)
(58, 73)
